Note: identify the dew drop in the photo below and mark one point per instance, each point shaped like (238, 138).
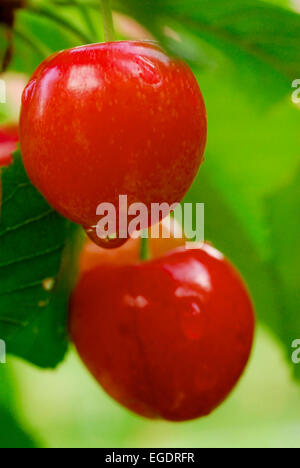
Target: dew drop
(192, 322)
(48, 284)
(107, 243)
(139, 302)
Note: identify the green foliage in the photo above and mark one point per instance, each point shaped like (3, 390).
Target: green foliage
(244, 52)
(284, 220)
(12, 434)
(259, 38)
(37, 269)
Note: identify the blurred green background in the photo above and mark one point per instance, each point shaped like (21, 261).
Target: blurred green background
(245, 54)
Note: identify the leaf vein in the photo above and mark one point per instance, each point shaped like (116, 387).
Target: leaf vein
(22, 288)
(27, 222)
(14, 192)
(15, 322)
(32, 257)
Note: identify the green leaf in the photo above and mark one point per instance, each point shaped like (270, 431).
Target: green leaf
(43, 29)
(37, 269)
(261, 39)
(12, 434)
(250, 154)
(284, 220)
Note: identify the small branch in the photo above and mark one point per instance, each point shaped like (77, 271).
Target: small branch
(145, 249)
(8, 51)
(108, 21)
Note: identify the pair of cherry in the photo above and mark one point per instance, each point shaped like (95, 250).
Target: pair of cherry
(166, 338)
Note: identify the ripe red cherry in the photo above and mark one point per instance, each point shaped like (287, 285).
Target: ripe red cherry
(112, 119)
(168, 338)
(8, 144)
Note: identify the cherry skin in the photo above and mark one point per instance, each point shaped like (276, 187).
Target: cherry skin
(112, 119)
(168, 338)
(8, 144)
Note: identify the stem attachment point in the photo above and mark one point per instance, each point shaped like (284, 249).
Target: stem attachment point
(109, 31)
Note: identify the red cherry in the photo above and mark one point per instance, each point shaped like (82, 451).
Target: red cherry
(112, 119)
(8, 144)
(168, 338)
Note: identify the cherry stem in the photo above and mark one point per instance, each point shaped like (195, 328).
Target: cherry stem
(109, 31)
(145, 249)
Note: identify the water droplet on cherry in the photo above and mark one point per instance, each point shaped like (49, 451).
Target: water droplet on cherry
(193, 322)
(108, 242)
